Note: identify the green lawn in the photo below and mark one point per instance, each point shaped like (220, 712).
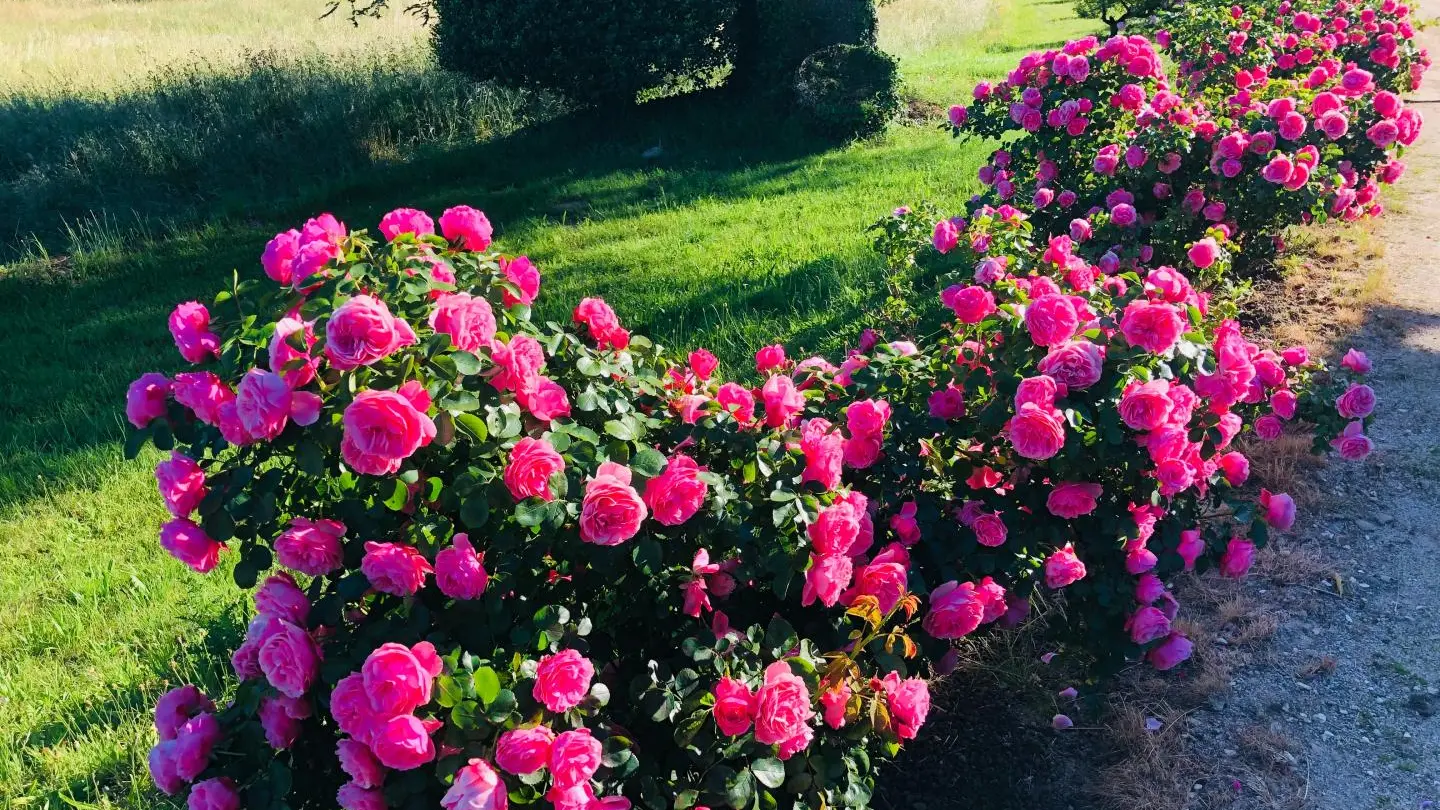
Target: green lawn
(741, 232)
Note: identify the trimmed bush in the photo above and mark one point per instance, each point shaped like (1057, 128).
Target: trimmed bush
(848, 90)
(596, 52)
(779, 34)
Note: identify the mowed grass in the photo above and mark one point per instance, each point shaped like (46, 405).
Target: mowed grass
(743, 231)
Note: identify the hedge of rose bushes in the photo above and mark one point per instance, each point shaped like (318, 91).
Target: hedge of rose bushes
(500, 561)
(1281, 113)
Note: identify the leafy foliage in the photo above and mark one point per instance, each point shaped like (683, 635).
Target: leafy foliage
(848, 90)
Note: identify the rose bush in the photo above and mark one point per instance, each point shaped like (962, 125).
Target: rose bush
(553, 564)
(1283, 113)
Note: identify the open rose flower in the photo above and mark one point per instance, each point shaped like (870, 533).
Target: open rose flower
(383, 428)
(190, 327)
(362, 332)
(612, 510)
(782, 711)
(562, 680)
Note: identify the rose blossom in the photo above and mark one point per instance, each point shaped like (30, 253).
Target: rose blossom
(290, 660)
(1077, 364)
(467, 226)
(1051, 319)
(532, 464)
(189, 544)
(612, 510)
(280, 597)
(353, 797)
(279, 721)
(1063, 568)
(1192, 545)
(783, 401)
(383, 428)
(770, 358)
(394, 568)
(1151, 326)
(279, 256)
(1035, 432)
(468, 320)
(361, 765)
(885, 578)
(1146, 406)
(524, 750)
(402, 743)
(1357, 402)
(214, 794)
(181, 482)
(204, 393)
(734, 707)
(971, 304)
(782, 711)
(1148, 624)
(1072, 499)
(459, 571)
(736, 400)
(1238, 557)
(909, 703)
(1356, 361)
(1352, 443)
(824, 449)
(176, 707)
(311, 547)
(675, 495)
(826, 579)
(562, 680)
(406, 220)
(1279, 509)
(190, 327)
(476, 787)
(145, 400)
(362, 331)
(1170, 653)
(955, 610)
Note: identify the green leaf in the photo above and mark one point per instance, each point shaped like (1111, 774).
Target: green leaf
(531, 512)
(649, 462)
(475, 511)
(398, 497)
(740, 789)
(466, 363)
(450, 692)
(134, 442)
(487, 685)
(500, 708)
(647, 555)
(474, 425)
(466, 715)
(770, 772)
(462, 401)
(780, 637)
(622, 429)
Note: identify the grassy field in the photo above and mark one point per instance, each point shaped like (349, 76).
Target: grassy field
(743, 231)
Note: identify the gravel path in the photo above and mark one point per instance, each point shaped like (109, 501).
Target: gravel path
(1364, 734)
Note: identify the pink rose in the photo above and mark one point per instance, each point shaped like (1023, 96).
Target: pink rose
(734, 707)
(909, 703)
(399, 679)
(782, 710)
(783, 401)
(703, 363)
(1146, 406)
(193, 743)
(1063, 568)
(290, 660)
(1269, 427)
(353, 797)
(175, 708)
(468, 320)
(523, 273)
(770, 358)
(294, 365)
(835, 702)
(945, 236)
(1147, 624)
(202, 392)
(190, 327)
(182, 483)
(459, 571)
(970, 304)
(406, 220)
(563, 680)
(383, 428)
(1357, 402)
(956, 609)
(1170, 653)
(1140, 559)
(1192, 545)
(1236, 468)
(603, 322)
(574, 758)
(886, 578)
(519, 363)
(737, 401)
(476, 787)
(214, 794)
(1148, 588)
(189, 544)
(992, 596)
(265, 404)
(546, 401)
(533, 462)
(1070, 500)
(675, 495)
(826, 579)
(402, 743)
(394, 568)
(362, 331)
(1238, 557)
(524, 750)
(1035, 432)
(279, 721)
(361, 765)
(280, 597)
(1051, 319)
(1154, 327)
(311, 547)
(467, 226)
(836, 529)
(612, 510)
(1279, 509)
(904, 524)
(1284, 404)
(947, 403)
(989, 530)
(350, 706)
(279, 256)
(1352, 443)
(824, 449)
(1077, 364)
(1353, 360)
(146, 399)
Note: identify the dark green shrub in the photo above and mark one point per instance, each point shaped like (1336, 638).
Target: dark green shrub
(594, 51)
(1116, 13)
(774, 36)
(848, 90)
